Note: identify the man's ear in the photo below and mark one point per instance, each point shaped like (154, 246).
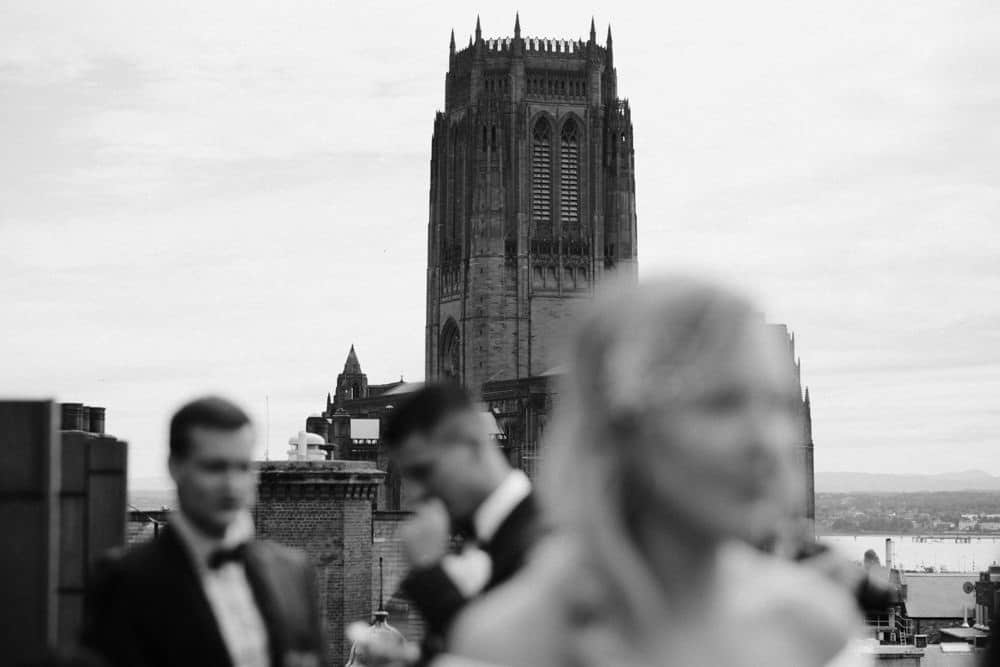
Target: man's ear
(477, 445)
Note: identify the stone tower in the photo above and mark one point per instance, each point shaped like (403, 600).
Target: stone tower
(532, 201)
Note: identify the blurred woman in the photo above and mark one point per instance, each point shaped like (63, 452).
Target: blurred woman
(673, 449)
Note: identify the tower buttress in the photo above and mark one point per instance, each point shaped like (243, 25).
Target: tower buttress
(809, 450)
(807, 418)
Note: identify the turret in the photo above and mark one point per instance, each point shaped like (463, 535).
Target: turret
(517, 82)
(352, 365)
(352, 383)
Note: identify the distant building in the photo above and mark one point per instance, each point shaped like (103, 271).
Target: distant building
(532, 206)
(532, 202)
(938, 600)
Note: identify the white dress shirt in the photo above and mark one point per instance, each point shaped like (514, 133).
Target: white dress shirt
(228, 590)
(470, 570)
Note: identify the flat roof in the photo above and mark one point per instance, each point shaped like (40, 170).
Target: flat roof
(939, 595)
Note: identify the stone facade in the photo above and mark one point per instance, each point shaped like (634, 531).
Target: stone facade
(532, 201)
(522, 409)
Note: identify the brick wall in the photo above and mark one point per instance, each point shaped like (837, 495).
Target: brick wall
(325, 509)
(387, 546)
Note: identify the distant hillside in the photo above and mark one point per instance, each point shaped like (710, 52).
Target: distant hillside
(864, 482)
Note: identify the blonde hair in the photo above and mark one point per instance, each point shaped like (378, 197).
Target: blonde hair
(636, 351)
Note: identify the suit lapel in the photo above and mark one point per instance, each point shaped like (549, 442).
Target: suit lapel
(187, 608)
(266, 592)
(512, 540)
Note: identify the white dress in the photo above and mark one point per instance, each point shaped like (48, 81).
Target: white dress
(763, 611)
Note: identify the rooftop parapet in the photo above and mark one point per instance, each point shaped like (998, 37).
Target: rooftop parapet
(344, 479)
(536, 45)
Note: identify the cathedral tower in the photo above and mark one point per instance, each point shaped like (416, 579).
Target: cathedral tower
(532, 201)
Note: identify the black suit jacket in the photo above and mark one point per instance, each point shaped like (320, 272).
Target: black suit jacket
(147, 608)
(991, 657)
(437, 597)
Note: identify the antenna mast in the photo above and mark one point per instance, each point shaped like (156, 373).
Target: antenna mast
(381, 583)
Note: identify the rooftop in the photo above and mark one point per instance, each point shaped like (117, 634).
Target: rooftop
(938, 595)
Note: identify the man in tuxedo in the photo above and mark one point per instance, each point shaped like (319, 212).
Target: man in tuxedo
(462, 484)
(205, 592)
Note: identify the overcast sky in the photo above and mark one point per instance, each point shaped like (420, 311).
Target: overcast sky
(224, 196)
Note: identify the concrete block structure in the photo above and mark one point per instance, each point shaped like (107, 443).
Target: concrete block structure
(29, 512)
(92, 509)
(62, 504)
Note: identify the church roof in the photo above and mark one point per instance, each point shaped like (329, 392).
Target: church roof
(404, 388)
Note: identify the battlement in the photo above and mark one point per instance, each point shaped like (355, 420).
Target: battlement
(621, 110)
(546, 45)
(577, 49)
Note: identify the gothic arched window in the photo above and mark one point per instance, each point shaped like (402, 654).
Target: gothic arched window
(569, 187)
(541, 177)
(450, 361)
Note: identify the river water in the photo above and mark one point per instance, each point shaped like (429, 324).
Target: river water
(943, 553)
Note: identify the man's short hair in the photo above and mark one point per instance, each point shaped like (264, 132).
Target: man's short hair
(423, 410)
(212, 412)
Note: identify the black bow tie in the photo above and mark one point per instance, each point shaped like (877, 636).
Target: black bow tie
(464, 533)
(220, 557)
